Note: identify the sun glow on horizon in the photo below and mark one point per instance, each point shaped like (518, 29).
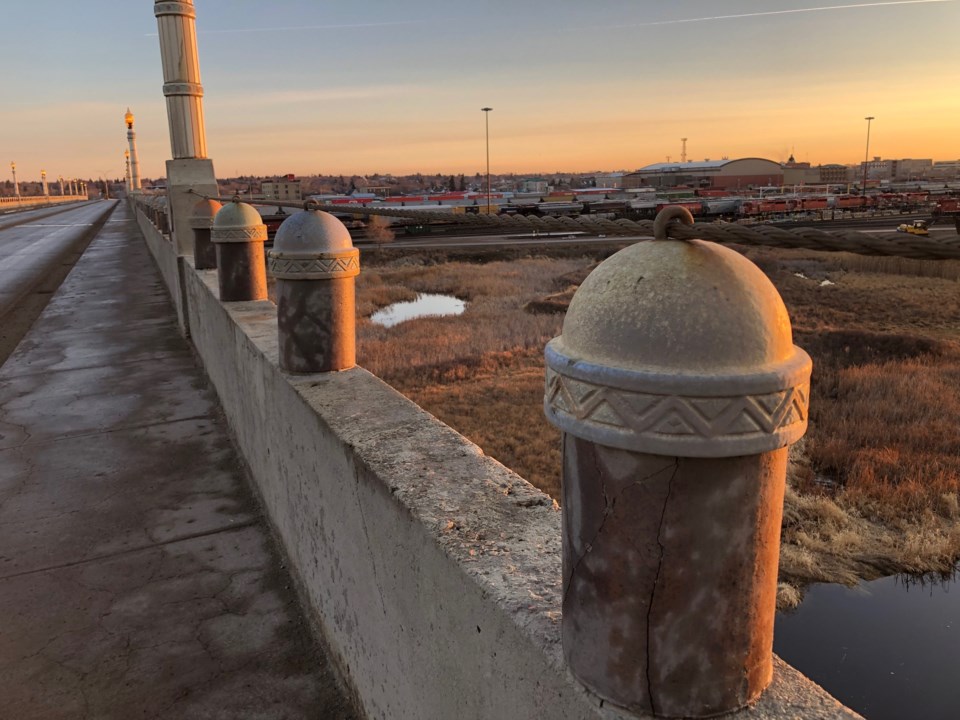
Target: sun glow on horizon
(399, 89)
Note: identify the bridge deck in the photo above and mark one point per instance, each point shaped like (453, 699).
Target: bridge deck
(137, 577)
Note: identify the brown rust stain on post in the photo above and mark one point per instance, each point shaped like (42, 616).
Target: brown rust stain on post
(204, 251)
(317, 325)
(670, 576)
(242, 271)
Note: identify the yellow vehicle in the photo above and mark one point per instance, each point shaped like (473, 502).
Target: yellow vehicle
(919, 227)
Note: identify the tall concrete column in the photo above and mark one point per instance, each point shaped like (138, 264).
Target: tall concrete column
(60, 180)
(16, 185)
(127, 177)
(134, 161)
(190, 169)
(43, 181)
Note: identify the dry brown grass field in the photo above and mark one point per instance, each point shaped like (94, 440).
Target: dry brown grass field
(874, 486)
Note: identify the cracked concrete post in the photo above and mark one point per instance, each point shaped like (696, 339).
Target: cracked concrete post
(201, 220)
(238, 233)
(314, 263)
(677, 388)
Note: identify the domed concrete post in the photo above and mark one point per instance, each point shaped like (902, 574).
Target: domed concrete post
(314, 263)
(238, 233)
(677, 388)
(201, 220)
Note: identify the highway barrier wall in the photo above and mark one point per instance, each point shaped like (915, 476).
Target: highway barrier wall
(432, 572)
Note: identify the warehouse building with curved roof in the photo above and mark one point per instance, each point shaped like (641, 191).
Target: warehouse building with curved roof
(739, 174)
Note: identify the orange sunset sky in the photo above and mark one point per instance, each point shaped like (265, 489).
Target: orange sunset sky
(370, 86)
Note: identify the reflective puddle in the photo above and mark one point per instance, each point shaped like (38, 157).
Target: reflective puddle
(889, 649)
(426, 305)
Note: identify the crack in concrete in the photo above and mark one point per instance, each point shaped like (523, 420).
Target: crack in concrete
(607, 514)
(160, 355)
(656, 580)
(106, 431)
(129, 551)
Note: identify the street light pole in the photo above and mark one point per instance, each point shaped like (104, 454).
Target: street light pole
(486, 116)
(866, 158)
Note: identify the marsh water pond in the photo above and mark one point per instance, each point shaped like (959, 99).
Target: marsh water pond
(889, 648)
(426, 305)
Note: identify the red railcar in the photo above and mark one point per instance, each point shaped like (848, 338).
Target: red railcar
(814, 203)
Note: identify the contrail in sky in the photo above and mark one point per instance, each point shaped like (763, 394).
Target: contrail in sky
(347, 26)
(794, 11)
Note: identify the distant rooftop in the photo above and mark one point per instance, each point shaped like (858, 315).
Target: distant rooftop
(679, 167)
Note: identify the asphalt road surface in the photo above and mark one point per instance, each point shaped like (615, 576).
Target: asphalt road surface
(36, 253)
(9, 219)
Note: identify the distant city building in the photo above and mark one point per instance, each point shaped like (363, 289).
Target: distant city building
(911, 169)
(945, 169)
(535, 185)
(876, 169)
(724, 174)
(611, 180)
(288, 189)
(799, 173)
(833, 174)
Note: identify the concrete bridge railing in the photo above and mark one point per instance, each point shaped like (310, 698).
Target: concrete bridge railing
(33, 201)
(433, 574)
(443, 584)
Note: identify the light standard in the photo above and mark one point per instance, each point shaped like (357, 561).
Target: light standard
(16, 187)
(866, 157)
(486, 119)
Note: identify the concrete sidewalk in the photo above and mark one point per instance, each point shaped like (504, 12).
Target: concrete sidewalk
(137, 578)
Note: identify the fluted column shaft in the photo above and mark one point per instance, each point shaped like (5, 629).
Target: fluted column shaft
(176, 22)
(134, 161)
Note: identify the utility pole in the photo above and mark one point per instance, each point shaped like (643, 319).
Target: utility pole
(866, 159)
(486, 117)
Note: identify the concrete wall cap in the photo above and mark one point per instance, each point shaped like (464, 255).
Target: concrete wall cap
(680, 348)
(203, 213)
(238, 222)
(313, 245)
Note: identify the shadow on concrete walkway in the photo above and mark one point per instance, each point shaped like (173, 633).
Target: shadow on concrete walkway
(137, 577)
